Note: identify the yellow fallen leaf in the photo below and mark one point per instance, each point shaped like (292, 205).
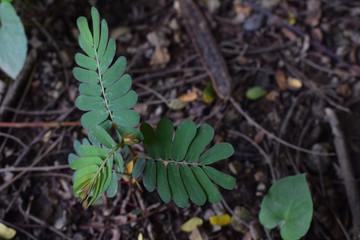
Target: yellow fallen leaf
(294, 83)
(188, 97)
(220, 220)
(6, 232)
(140, 236)
(191, 224)
(129, 168)
(291, 18)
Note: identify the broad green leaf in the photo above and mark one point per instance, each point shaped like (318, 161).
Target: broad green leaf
(192, 187)
(95, 23)
(126, 118)
(86, 76)
(124, 102)
(164, 135)
(203, 136)
(255, 93)
(85, 161)
(88, 170)
(90, 119)
(104, 36)
(138, 168)
(176, 186)
(183, 137)
(85, 61)
(89, 151)
(119, 161)
(87, 103)
(288, 205)
(72, 157)
(111, 191)
(83, 27)
(222, 179)
(210, 190)
(149, 140)
(88, 48)
(114, 72)
(119, 88)
(103, 137)
(149, 178)
(90, 89)
(108, 56)
(162, 182)
(218, 152)
(13, 47)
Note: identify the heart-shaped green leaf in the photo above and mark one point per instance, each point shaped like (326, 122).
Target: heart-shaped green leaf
(288, 205)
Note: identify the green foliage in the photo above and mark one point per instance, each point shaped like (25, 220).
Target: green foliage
(13, 47)
(288, 205)
(186, 169)
(255, 93)
(177, 166)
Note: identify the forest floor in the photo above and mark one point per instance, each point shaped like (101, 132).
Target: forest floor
(305, 54)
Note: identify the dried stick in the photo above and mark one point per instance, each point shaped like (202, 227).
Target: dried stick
(38, 124)
(351, 186)
(33, 169)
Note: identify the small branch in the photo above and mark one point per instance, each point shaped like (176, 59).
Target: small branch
(38, 124)
(351, 186)
(33, 169)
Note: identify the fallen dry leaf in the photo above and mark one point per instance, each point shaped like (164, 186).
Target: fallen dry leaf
(191, 224)
(188, 97)
(280, 78)
(294, 83)
(160, 56)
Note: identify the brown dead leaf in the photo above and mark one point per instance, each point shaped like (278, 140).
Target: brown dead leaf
(294, 83)
(188, 97)
(160, 56)
(280, 78)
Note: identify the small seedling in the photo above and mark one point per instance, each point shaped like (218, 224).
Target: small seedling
(176, 164)
(288, 205)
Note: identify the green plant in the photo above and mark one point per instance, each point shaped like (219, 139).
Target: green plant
(288, 205)
(13, 40)
(176, 165)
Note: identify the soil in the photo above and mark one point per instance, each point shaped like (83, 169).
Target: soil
(305, 54)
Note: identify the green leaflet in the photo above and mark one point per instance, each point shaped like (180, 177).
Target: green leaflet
(149, 178)
(222, 179)
(111, 191)
(149, 140)
(216, 153)
(83, 27)
(92, 151)
(85, 161)
(13, 47)
(192, 187)
(108, 56)
(162, 182)
(183, 137)
(211, 191)
(93, 118)
(164, 135)
(87, 103)
(126, 118)
(138, 168)
(119, 162)
(203, 136)
(91, 169)
(119, 88)
(103, 137)
(176, 186)
(90, 89)
(96, 29)
(85, 61)
(114, 72)
(86, 76)
(124, 102)
(103, 39)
